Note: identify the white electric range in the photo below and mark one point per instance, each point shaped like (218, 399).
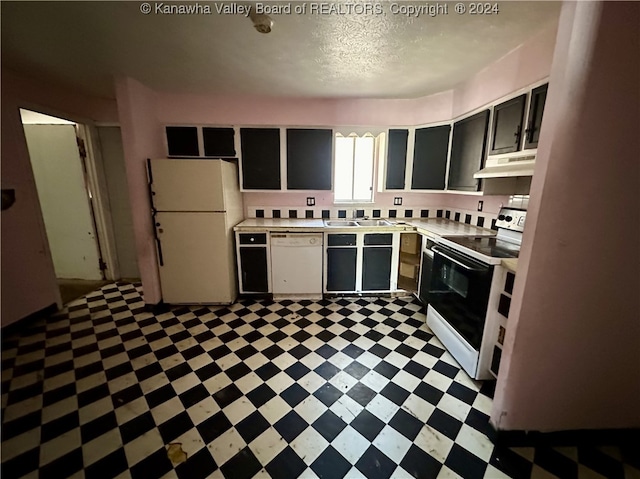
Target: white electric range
(466, 276)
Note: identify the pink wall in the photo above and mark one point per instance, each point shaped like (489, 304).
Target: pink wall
(59, 101)
(141, 139)
(571, 352)
(491, 204)
(28, 277)
(245, 110)
(526, 64)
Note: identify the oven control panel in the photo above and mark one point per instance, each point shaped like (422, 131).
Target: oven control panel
(511, 219)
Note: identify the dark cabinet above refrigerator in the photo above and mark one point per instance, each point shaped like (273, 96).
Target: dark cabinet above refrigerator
(200, 142)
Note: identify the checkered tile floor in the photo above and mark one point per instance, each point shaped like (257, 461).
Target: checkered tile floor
(336, 388)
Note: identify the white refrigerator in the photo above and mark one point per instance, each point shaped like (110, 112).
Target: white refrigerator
(196, 204)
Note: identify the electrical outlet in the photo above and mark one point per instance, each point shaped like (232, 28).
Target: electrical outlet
(397, 201)
(480, 205)
(311, 201)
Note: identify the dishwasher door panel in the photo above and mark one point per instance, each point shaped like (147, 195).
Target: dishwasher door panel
(296, 264)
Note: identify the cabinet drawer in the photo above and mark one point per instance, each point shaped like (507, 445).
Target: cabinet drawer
(341, 240)
(253, 238)
(378, 239)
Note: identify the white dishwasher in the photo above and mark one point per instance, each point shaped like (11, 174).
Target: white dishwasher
(296, 265)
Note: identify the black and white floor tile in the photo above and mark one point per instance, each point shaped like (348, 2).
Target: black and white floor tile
(355, 388)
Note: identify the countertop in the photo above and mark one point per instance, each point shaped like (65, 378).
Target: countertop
(434, 226)
(263, 223)
(445, 227)
(510, 263)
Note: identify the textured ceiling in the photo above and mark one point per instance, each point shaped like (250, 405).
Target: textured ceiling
(84, 44)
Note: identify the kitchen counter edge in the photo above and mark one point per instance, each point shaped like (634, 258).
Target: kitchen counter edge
(317, 226)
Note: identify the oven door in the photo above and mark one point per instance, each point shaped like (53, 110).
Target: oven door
(459, 291)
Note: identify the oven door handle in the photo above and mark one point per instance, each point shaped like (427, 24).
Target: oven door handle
(459, 263)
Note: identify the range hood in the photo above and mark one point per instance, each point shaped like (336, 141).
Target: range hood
(508, 165)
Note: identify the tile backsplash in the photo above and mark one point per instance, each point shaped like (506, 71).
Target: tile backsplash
(476, 218)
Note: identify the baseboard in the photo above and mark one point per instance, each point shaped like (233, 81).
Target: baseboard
(157, 308)
(578, 437)
(256, 296)
(20, 324)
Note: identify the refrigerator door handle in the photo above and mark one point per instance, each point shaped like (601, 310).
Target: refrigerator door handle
(159, 246)
(150, 187)
(156, 237)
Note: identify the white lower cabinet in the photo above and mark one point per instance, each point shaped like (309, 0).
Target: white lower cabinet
(361, 262)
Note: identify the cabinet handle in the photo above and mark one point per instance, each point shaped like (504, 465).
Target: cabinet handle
(529, 133)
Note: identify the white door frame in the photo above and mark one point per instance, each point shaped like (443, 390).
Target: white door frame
(99, 197)
(97, 184)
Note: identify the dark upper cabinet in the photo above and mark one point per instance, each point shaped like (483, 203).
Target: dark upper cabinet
(396, 159)
(430, 158)
(507, 126)
(309, 153)
(260, 158)
(468, 148)
(536, 109)
(218, 142)
(182, 140)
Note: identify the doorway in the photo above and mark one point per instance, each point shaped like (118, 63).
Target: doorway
(59, 165)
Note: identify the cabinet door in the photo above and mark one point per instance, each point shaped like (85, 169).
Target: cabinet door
(430, 158)
(425, 278)
(253, 270)
(194, 266)
(218, 142)
(396, 159)
(536, 109)
(507, 125)
(309, 153)
(260, 158)
(182, 140)
(341, 269)
(376, 269)
(468, 151)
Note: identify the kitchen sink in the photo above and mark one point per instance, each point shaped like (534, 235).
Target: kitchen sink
(340, 223)
(373, 223)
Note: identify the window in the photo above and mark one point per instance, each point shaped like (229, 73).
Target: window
(354, 163)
